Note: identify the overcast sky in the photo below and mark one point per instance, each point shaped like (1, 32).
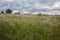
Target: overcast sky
(30, 5)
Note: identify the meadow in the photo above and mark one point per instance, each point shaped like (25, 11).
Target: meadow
(29, 27)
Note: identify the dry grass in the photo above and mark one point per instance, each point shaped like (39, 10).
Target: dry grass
(29, 27)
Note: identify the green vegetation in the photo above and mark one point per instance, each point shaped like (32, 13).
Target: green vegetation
(29, 27)
(2, 11)
(9, 11)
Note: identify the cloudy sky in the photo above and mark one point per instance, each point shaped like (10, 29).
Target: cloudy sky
(30, 5)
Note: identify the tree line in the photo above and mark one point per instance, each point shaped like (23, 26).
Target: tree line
(9, 11)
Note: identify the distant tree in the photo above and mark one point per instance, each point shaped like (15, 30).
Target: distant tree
(2, 11)
(9, 11)
(40, 14)
(17, 13)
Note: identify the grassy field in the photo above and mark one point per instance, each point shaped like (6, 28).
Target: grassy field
(29, 27)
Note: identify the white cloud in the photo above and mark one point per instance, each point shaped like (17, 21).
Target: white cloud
(57, 4)
(26, 12)
(15, 11)
(41, 6)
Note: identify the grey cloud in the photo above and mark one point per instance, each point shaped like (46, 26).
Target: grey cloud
(29, 5)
